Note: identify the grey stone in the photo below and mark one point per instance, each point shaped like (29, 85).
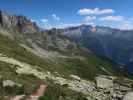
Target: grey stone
(103, 82)
(128, 96)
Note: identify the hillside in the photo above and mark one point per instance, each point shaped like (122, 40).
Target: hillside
(30, 58)
(51, 48)
(114, 44)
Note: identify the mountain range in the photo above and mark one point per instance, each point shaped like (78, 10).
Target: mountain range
(67, 61)
(114, 44)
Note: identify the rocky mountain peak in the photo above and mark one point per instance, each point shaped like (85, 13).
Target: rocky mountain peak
(94, 29)
(18, 23)
(5, 19)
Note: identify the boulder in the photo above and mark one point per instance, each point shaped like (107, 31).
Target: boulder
(104, 82)
(128, 96)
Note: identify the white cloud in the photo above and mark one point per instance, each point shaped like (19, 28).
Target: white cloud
(95, 11)
(64, 25)
(89, 23)
(131, 19)
(112, 18)
(44, 20)
(45, 25)
(32, 20)
(56, 17)
(89, 18)
(126, 25)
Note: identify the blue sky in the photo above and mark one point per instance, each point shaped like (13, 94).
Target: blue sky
(63, 13)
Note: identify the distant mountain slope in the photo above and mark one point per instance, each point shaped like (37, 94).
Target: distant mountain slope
(114, 44)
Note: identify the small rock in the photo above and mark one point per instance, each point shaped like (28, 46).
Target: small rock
(10, 83)
(75, 77)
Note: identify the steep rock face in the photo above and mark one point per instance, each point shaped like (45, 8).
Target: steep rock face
(17, 23)
(5, 19)
(26, 26)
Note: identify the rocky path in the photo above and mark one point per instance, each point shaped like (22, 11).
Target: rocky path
(19, 97)
(39, 93)
(34, 96)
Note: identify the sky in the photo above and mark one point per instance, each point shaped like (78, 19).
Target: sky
(65, 13)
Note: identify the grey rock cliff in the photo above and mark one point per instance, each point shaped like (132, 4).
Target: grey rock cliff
(17, 23)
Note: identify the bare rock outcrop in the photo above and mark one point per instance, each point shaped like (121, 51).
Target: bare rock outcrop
(17, 23)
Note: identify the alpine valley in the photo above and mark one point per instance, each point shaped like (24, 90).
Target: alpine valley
(75, 63)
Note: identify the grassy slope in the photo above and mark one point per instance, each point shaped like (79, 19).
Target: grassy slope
(86, 68)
